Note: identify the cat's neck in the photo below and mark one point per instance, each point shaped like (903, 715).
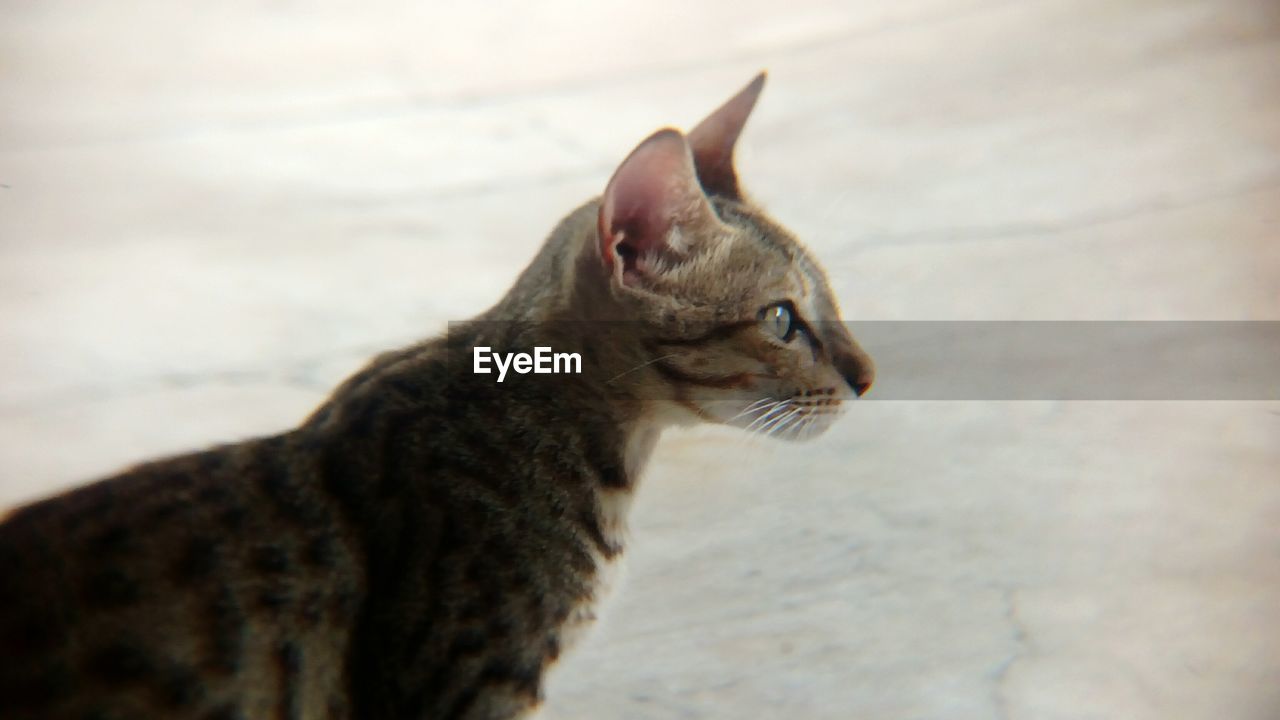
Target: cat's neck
(563, 300)
(558, 304)
(601, 400)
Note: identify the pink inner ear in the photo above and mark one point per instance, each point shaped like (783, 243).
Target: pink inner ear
(653, 190)
(713, 140)
(638, 196)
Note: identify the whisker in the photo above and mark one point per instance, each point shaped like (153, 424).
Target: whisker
(763, 418)
(768, 409)
(769, 427)
(810, 425)
(750, 409)
(782, 428)
(805, 430)
(779, 428)
(788, 426)
(747, 439)
(780, 407)
(641, 365)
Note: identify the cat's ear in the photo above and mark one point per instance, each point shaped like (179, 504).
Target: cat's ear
(654, 211)
(713, 139)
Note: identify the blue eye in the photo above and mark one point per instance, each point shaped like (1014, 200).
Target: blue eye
(778, 321)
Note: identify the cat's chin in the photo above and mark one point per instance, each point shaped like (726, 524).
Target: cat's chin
(781, 420)
(803, 431)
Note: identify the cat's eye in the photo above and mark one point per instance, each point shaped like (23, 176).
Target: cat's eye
(779, 321)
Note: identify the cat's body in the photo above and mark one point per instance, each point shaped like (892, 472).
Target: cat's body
(429, 541)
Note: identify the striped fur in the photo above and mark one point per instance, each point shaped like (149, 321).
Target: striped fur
(428, 542)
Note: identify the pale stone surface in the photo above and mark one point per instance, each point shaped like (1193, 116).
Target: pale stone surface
(213, 212)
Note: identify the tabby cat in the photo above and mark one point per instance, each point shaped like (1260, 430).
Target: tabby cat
(430, 540)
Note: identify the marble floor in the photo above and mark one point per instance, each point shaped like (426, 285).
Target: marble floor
(210, 213)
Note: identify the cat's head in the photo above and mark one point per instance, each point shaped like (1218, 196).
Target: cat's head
(740, 324)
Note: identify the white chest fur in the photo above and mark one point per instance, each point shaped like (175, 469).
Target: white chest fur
(613, 507)
(609, 570)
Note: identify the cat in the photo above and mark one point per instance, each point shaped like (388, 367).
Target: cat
(429, 541)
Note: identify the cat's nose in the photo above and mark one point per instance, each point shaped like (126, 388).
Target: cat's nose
(857, 370)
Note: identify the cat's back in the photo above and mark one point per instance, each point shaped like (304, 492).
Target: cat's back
(421, 546)
(189, 587)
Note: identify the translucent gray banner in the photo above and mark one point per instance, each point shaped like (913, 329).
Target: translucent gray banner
(952, 360)
(1218, 360)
